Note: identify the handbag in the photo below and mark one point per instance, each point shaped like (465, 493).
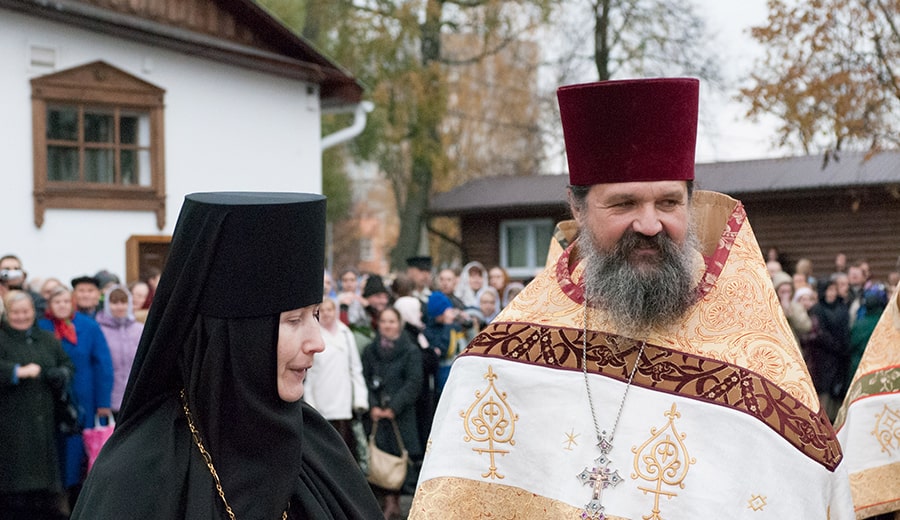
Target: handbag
(96, 437)
(387, 470)
(65, 413)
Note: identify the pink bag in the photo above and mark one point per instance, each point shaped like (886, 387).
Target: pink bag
(95, 438)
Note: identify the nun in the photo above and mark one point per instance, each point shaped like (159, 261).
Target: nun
(212, 424)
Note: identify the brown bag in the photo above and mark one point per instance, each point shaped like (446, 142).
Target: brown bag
(387, 470)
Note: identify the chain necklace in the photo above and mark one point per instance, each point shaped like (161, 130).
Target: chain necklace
(208, 458)
(601, 476)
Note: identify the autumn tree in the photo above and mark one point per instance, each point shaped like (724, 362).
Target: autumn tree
(830, 74)
(397, 49)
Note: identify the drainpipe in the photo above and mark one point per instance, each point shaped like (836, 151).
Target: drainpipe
(345, 134)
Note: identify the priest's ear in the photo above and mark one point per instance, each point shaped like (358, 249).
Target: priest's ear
(577, 196)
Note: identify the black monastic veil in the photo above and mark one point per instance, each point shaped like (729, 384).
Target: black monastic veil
(237, 260)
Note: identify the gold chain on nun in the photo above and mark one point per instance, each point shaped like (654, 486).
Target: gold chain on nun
(208, 458)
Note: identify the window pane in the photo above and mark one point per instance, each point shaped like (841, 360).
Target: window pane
(128, 129)
(516, 246)
(129, 166)
(144, 130)
(143, 167)
(62, 163)
(62, 123)
(98, 166)
(98, 128)
(134, 128)
(543, 233)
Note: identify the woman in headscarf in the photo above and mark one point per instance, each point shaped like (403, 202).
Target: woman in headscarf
(92, 383)
(212, 425)
(472, 280)
(34, 370)
(123, 334)
(411, 311)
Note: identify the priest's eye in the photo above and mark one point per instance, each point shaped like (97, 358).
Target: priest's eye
(316, 314)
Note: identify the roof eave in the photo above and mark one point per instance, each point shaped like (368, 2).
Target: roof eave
(336, 86)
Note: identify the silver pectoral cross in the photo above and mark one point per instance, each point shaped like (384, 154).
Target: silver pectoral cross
(599, 477)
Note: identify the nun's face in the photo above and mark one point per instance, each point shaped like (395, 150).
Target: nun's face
(299, 339)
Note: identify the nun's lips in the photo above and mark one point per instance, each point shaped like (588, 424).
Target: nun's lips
(300, 371)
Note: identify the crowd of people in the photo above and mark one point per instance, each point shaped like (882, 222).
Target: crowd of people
(60, 343)
(393, 341)
(832, 317)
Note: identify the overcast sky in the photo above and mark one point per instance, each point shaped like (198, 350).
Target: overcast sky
(733, 136)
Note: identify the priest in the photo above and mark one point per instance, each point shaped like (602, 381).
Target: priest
(648, 371)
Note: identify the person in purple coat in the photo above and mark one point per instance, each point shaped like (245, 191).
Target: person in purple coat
(123, 333)
(92, 383)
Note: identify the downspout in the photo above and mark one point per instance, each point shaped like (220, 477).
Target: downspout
(345, 134)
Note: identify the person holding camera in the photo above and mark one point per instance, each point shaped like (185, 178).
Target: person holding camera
(392, 367)
(34, 369)
(12, 278)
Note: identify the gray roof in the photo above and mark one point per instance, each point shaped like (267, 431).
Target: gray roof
(500, 192)
(797, 173)
(734, 178)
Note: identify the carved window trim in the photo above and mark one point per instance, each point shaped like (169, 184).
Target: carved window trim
(98, 85)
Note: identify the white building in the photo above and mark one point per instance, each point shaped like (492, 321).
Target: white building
(114, 110)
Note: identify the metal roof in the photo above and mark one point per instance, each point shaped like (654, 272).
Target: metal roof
(736, 177)
(797, 173)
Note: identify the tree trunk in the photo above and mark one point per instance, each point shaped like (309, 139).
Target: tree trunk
(412, 215)
(601, 39)
(426, 147)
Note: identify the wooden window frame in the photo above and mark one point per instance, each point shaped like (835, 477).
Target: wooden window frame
(531, 251)
(98, 85)
(133, 260)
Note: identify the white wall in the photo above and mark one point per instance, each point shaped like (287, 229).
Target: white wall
(226, 128)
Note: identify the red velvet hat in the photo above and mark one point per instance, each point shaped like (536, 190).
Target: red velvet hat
(630, 130)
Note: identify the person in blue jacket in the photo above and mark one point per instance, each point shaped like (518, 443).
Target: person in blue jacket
(83, 341)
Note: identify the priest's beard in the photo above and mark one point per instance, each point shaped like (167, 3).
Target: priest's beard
(647, 293)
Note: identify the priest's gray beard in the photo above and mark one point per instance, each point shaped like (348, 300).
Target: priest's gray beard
(639, 298)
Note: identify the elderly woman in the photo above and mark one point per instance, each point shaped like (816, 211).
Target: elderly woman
(86, 346)
(34, 369)
(212, 425)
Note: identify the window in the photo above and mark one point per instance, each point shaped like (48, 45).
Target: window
(145, 252)
(98, 142)
(524, 244)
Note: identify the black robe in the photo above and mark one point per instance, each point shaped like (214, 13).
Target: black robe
(28, 456)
